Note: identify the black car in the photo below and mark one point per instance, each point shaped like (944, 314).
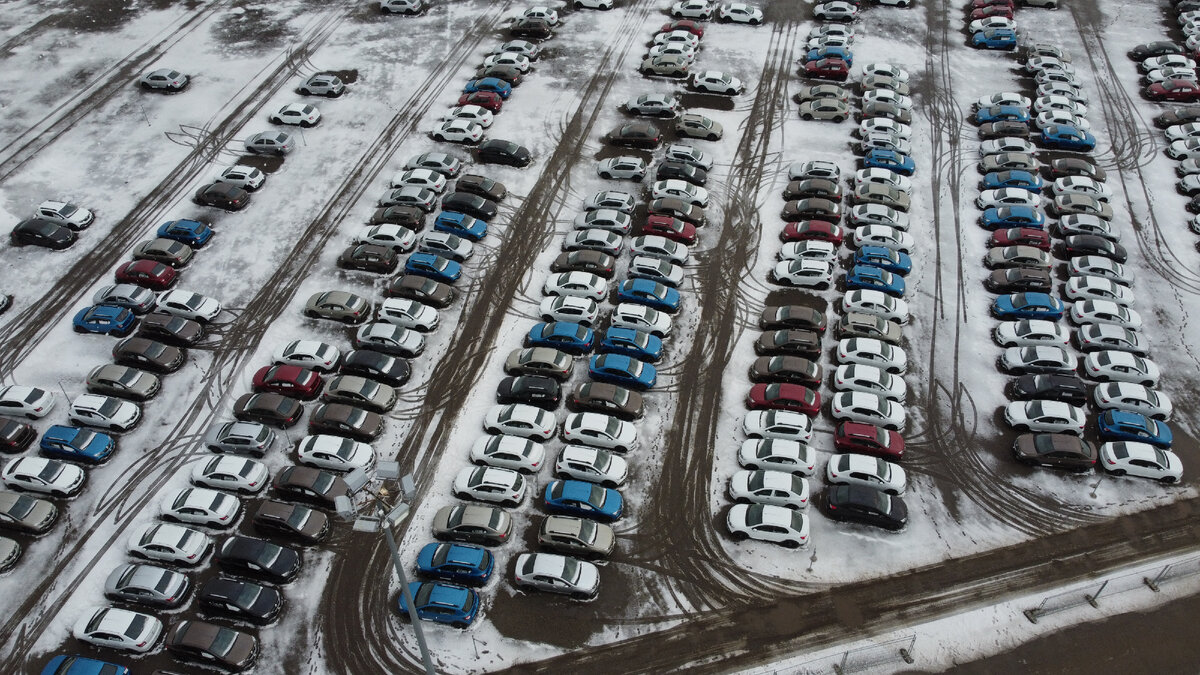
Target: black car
(408, 217)
(369, 258)
(813, 187)
(311, 485)
(1065, 388)
(496, 151)
(291, 520)
(258, 558)
(470, 204)
(531, 27)
(786, 369)
(241, 599)
(170, 329)
(1152, 49)
(15, 436)
(39, 232)
(482, 186)
(1057, 451)
(1177, 116)
(788, 343)
(682, 171)
(391, 370)
(151, 355)
(677, 208)
(861, 504)
(636, 135)
(268, 408)
(595, 262)
(223, 196)
(1074, 166)
(1003, 128)
(1018, 280)
(1090, 244)
(539, 390)
(421, 289)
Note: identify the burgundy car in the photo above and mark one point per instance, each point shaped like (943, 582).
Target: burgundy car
(484, 99)
(1024, 236)
(293, 381)
(671, 228)
(869, 439)
(1005, 11)
(976, 4)
(1183, 91)
(147, 274)
(690, 26)
(809, 230)
(827, 69)
(784, 396)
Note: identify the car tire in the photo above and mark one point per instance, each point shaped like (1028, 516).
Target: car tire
(458, 624)
(839, 119)
(581, 596)
(606, 175)
(1118, 472)
(739, 536)
(1167, 480)
(331, 95)
(791, 544)
(713, 137)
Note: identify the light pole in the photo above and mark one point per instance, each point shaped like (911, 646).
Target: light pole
(385, 517)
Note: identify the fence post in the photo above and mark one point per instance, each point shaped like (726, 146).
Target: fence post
(1032, 614)
(1092, 598)
(906, 652)
(840, 669)
(1153, 583)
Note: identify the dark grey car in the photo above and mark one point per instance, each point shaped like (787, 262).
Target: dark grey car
(150, 354)
(123, 381)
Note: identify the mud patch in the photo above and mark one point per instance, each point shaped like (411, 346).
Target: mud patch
(794, 296)
(346, 76)
(265, 163)
(607, 151)
(100, 16)
(693, 100)
(252, 29)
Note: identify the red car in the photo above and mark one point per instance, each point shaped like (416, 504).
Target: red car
(1005, 11)
(683, 24)
(976, 4)
(780, 396)
(1184, 91)
(484, 99)
(671, 228)
(807, 230)
(1021, 236)
(292, 381)
(869, 439)
(827, 69)
(147, 274)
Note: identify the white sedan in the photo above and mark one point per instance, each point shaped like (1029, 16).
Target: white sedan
(855, 469)
(1008, 197)
(783, 425)
(509, 452)
(170, 543)
(1133, 398)
(641, 317)
(601, 431)
(592, 465)
(877, 214)
(1115, 366)
(680, 49)
(882, 177)
(189, 305)
(542, 12)
(677, 36)
(999, 146)
(569, 308)
(803, 272)
(885, 236)
(886, 70)
(837, 10)
(766, 522)
(1081, 185)
(764, 486)
(1142, 460)
(777, 455)
(1050, 118)
(692, 9)
(1030, 333)
(116, 628)
(395, 237)
(577, 284)
(810, 249)
(1043, 104)
(519, 419)
(471, 113)
(888, 96)
(1180, 132)
(858, 406)
(30, 402)
(656, 246)
(990, 22)
(1006, 98)
(740, 12)
(422, 178)
(43, 476)
(298, 114)
(876, 303)
(459, 130)
(871, 380)
(409, 313)
(872, 124)
(1099, 266)
(308, 354)
(231, 473)
(717, 82)
(510, 59)
(872, 352)
(1097, 288)
(490, 484)
(201, 506)
(335, 453)
(1104, 311)
(1045, 416)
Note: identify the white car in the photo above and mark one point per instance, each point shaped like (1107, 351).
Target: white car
(389, 339)
(1070, 91)
(410, 195)
(164, 78)
(335, 453)
(201, 506)
(189, 305)
(783, 425)
(322, 84)
(395, 237)
(679, 189)
(656, 246)
(1042, 104)
(610, 199)
(542, 12)
(877, 214)
(655, 269)
(68, 215)
(421, 178)
(777, 455)
(803, 272)
(871, 380)
(30, 402)
(1167, 61)
(885, 236)
(1188, 148)
(510, 59)
(118, 629)
(882, 177)
(1038, 359)
(523, 47)
(1006, 98)
(831, 29)
(402, 6)
(765, 486)
(557, 574)
(601, 431)
(990, 22)
(1165, 74)
(1086, 223)
(999, 146)
(683, 36)
(604, 219)
(105, 412)
(592, 465)
(246, 177)
(231, 473)
(623, 167)
(297, 114)
(1110, 365)
(884, 140)
(170, 543)
(1181, 132)
(270, 143)
(641, 317)
(446, 245)
(1051, 118)
(1142, 460)
(577, 284)
(876, 303)
(1099, 266)
(886, 70)
(819, 251)
(837, 10)
(1008, 197)
(872, 352)
(1045, 76)
(409, 314)
(569, 308)
(508, 452)
(740, 12)
(1133, 398)
(43, 476)
(855, 469)
(814, 169)
(858, 406)
(490, 484)
(459, 130)
(717, 82)
(519, 419)
(873, 124)
(470, 113)
(308, 354)
(888, 96)
(692, 9)
(681, 152)
(1080, 185)
(1030, 333)
(1097, 288)
(1104, 311)
(766, 522)
(1095, 336)
(1045, 416)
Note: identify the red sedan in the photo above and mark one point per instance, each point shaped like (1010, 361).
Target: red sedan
(292, 381)
(1183, 91)
(1021, 236)
(827, 69)
(484, 99)
(778, 396)
(976, 4)
(869, 439)
(147, 274)
(690, 26)
(671, 228)
(810, 230)
(1005, 11)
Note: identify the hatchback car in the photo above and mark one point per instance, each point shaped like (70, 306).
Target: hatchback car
(118, 629)
(147, 585)
(77, 445)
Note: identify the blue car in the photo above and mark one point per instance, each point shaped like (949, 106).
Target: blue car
(1120, 425)
(622, 370)
(439, 601)
(1064, 137)
(460, 563)
(1004, 217)
(104, 320)
(891, 260)
(493, 84)
(880, 158)
(460, 225)
(649, 293)
(434, 267)
(568, 336)
(64, 664)
(1023, 180)
(831, 52)
(995, 38)
(632, 342)
(577, 498)
(997, 113)
(77, 445)
(867, 277)
(1027, 306)
(191, 232)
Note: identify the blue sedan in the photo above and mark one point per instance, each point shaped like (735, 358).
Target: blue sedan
(492, 84)
(622, 370)
(830, 52)
(1027, 306)
(191, 232)
(632, 342)
(577, 498)
(1121, 425)
(995, 38)
(997, 113)
(1012, 179)
(882, 257)
(65, 664)
(460, 563)
(1065, 137)
(460, 225)
(104, 320)
(867, 277)
(880, 158)
(442, 602)
(77, 445)
(434, 267)
(568, 336)
(649, 293)
(1004, 217)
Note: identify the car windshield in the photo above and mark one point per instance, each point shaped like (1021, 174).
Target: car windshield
(423, 593)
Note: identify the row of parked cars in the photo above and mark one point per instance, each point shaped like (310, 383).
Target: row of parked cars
(1168, 68)
(992, 25)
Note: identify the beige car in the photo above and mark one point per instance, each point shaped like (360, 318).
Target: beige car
(539, 361)
(115, 380)
(25, 513)
(857, 324)
(577, 536)
(473, 524)
(885, 195)
(338, 306)
(360, 392)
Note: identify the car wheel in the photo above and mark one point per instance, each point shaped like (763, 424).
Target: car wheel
(742, 500)
(606, 175)
(713, 137)
(754, 22)
(791, 544)
(331, 95)
(739, 536)
(306, 124)
(1167, 479)
(458, 624)
(1118, 472)
(581, 596)
(305, 91)
(1148, 383)
(31, 416)
(839, 119)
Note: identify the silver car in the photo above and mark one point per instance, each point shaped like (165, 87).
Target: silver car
(123, 381)
(246, 438)
(270, 143)
(137, 299)
(577, 536)
(322, 84)
(147, 585)
(24, 513)
(165, 79)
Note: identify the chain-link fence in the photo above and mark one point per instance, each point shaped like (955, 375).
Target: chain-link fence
(1092, 595)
